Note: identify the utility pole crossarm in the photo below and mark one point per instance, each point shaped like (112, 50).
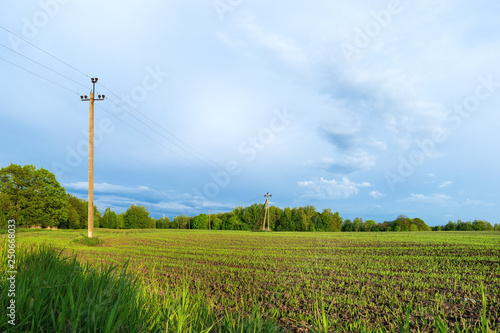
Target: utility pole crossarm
(85, 98)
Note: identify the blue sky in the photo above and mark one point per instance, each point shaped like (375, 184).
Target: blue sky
(370, 108)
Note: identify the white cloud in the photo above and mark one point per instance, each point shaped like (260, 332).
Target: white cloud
(376, 194)
(283, 47)
(331, 189)
(472, 202)
(446, 183)
(378, 144)
(119, 198)
(231, 42)
(432, 199)
(348, 162)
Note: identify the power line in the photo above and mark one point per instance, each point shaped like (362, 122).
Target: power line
(165, 130)
(36, 62)
(66, 88)
(150, 138)
(253, 201)
(55, 83)
(151, 120)
(43, 78)
(151, 128)
(47, 53)
(76, 69)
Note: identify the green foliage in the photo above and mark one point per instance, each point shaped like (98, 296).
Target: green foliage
(60, 294)
(182, 222)
(421, 225)
(216, 223)
(358, 224)
(348, 225)
(32, 197)
(163, 223)
(233, 223)
(464, 226)
(476, 225)
(120, 221)
(78, 214)
(200, 222)
(109, 219)
(404, 223)
(370, 225)
(97, 218)
(451, 226)
(385, 226)
(285, 220)
(137, 217)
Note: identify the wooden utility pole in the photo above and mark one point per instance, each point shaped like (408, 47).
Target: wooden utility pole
(91, 155)
(209, 220)
(266, 214)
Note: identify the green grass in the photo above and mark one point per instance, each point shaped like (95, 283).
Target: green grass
(249, 282)
(85, 240)
(59, 294)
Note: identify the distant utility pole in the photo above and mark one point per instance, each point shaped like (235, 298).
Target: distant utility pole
(91, 154)
(266, 214)
(209, 219)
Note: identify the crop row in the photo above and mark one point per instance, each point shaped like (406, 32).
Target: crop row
(366, 281)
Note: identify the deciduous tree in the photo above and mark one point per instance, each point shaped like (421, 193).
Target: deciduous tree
(32, 197)
(137, 217)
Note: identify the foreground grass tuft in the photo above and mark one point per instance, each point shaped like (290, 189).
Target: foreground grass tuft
(60, 294)
(87, 241)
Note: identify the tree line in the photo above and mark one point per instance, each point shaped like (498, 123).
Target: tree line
(459, 225)
(33, 197)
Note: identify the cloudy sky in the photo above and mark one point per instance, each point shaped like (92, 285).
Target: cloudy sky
(370, 108)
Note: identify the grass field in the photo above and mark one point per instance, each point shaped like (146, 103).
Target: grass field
(420, 281)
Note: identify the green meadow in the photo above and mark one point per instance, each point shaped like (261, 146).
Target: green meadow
(237, 281)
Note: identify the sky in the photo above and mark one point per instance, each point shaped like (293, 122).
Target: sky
(371, 108)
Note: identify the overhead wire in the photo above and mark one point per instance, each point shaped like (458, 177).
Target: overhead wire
(43, 78)
(147, 136)
(151, 128)
(81, 72)
(47, 53)
(165, 130)
(42, 65)
(66, 88)
(114, 94)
